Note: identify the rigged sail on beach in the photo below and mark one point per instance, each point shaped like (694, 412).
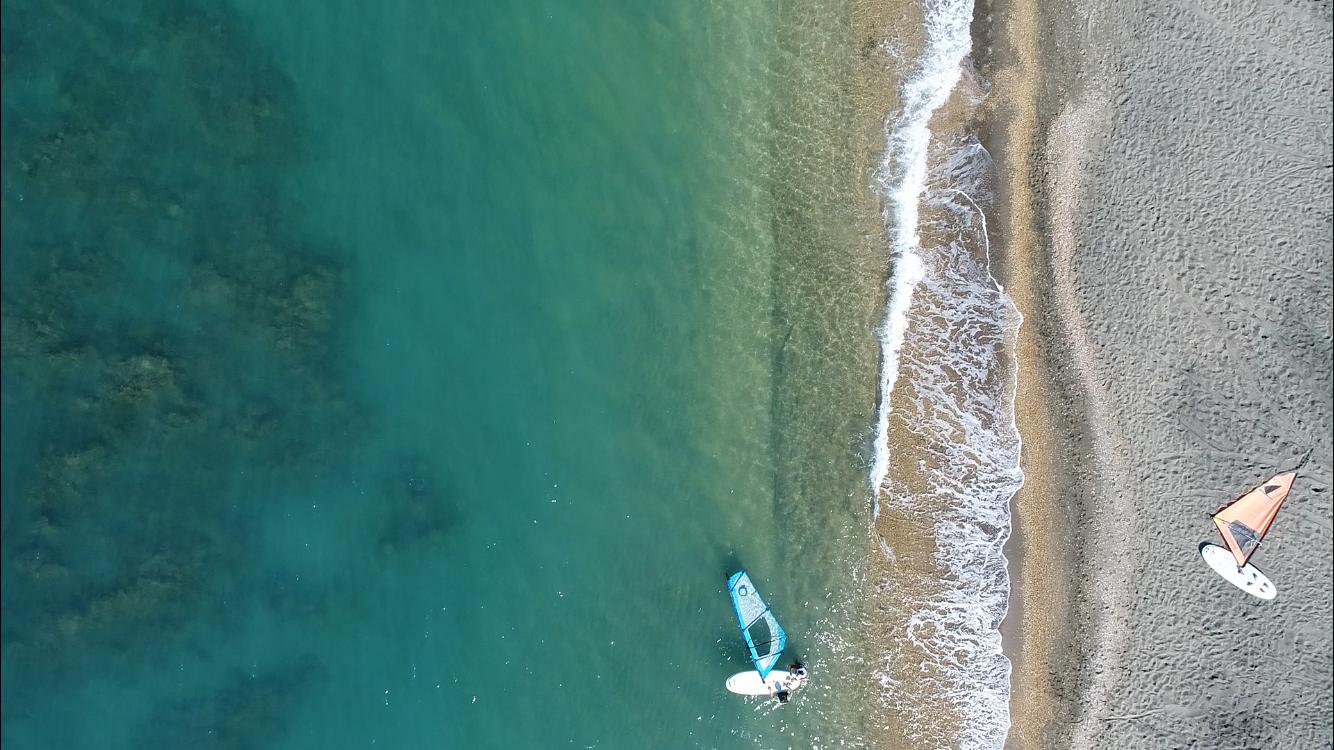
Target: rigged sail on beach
(765, 638)
(1244, 521)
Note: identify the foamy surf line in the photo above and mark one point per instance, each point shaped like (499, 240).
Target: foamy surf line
(902, 180)
(959, 413)
(947, 327)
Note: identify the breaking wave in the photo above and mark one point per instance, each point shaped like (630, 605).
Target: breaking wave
(948, 335)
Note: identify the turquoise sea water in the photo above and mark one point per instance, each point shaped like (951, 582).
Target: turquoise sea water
(407, 375)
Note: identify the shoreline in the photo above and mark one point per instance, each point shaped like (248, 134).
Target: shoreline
(1141, 281)
(1042, 540)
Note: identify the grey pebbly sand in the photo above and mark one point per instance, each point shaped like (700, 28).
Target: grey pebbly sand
(1166, 231)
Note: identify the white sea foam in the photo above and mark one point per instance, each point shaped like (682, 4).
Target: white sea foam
(948, 331)
(960, 414)
(902, 180)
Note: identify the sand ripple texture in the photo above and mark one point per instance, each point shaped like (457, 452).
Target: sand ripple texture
(1201, 272)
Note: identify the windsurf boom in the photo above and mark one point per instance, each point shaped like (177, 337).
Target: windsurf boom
(764, 637)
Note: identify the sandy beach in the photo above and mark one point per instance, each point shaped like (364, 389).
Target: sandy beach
(1165, 231)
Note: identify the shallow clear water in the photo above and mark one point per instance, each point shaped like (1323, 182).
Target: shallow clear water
(388, 376)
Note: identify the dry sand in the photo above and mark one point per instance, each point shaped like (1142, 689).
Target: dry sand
(1167, 234)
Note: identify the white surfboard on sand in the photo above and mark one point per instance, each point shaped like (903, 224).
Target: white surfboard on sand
(750, 682)
(1248, 578)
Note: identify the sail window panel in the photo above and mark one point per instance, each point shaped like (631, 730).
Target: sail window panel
(1246, 538)
(761, 635)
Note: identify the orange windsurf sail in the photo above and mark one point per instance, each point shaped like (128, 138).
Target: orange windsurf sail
(1244, 521)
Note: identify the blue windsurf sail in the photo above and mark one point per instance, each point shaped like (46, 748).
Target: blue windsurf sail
(764, 636)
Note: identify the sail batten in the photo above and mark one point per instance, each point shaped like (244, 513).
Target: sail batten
(764, 637)
(1244, 522)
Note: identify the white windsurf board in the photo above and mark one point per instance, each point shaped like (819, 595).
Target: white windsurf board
(750, 682)
(1248, 578)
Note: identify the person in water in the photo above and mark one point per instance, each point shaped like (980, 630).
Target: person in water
(796, 679)
(798, 672)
